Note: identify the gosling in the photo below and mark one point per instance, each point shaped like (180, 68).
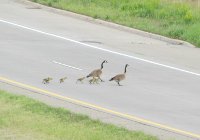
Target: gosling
(94, 80)
(80, 79)
(62, 79)
(120, 77)
(47, 80)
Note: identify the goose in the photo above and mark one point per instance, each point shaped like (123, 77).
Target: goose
(119, 77)
(97, 72)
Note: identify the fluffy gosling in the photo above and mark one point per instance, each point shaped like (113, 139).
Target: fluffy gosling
(80, 79)
(47, 80)
(62, 79)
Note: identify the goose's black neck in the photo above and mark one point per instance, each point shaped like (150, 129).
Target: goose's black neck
(125, 68)
(102, 64)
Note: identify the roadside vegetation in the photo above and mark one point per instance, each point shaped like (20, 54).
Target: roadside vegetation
(22, 118)
(179, 19)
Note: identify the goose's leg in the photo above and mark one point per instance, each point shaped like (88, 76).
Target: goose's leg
(119, 83)
(101, 79)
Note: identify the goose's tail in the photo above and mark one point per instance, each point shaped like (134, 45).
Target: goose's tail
(111, 79)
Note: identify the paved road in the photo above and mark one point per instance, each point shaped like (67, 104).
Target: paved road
(153, 92)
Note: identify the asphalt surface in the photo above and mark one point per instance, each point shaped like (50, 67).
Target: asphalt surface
(153, 92)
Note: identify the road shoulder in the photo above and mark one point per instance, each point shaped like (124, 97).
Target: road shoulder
(94, 113)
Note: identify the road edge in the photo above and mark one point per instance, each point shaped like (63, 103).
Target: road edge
(106, 23)
(134, 123)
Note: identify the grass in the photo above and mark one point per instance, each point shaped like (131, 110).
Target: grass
(22, 118)
(178, 19)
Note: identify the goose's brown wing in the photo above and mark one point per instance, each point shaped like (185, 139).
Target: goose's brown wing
(95, 73)
(118, 77)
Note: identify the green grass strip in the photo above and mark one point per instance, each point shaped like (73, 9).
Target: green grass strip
(22, 118)
(171, 18)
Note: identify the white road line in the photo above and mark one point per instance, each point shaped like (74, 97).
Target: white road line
(91, 46)
(66, 65)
